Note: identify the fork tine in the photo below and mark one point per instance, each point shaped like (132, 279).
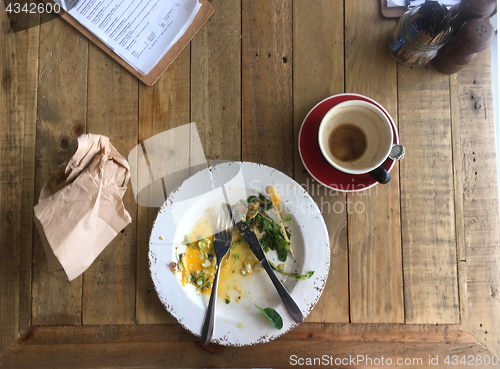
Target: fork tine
(222, 243)
(229, 223)
(226, 226)
(220, 219)
(223, 221)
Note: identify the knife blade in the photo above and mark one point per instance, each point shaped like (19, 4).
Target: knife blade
(251, 239)
(253, 242)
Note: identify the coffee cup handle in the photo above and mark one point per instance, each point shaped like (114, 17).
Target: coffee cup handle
(381, 175)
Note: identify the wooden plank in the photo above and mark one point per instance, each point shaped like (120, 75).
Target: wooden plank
(476, 197)
(267, 126)
(17, 104)
(216, 82)
(28, 197)
(62, 112)
(109, 283)
(374, 224)
(161, 107)
(338, 345)
(315, 38)
(427, 198)
(340, 332)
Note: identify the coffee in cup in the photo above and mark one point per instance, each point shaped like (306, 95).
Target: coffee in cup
(347, 142)
(356, 137)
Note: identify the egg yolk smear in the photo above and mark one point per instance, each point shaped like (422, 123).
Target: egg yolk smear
(199, 263)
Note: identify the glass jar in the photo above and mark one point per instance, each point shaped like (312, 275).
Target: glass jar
(412, 46)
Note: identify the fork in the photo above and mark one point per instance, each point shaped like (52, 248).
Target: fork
(222, 241)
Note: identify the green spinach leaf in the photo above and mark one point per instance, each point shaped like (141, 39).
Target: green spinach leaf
(273, 316)
(273, 238)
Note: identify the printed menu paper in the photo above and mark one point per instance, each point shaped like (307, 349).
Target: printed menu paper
(139, 31)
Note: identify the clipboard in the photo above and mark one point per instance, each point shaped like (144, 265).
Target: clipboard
(204, 13)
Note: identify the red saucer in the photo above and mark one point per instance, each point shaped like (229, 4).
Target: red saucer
(314, 160)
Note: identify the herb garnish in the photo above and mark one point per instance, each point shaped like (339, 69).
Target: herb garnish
(193, 278)
(264, 203)
(273, 316)
(273, 239)
(203, 242)
(179, 260)
(186, 242)
(294, 275)
(232, 247)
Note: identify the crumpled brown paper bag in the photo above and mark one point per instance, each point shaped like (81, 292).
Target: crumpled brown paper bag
(80, 209)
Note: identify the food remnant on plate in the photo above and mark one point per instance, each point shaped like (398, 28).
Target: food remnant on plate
(280, 268)
(173, 267)
(276, 200)
(270, 233)
(161, 238)
(203, 243)
(248, 267)
(240, 325)
(197, 262)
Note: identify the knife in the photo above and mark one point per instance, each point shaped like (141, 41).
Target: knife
(253, 242)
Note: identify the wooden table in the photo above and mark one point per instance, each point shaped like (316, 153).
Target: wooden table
(416, 275)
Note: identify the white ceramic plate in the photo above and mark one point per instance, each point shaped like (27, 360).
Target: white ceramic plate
(239, 324)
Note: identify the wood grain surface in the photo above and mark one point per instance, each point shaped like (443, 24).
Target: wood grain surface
(28, 173)
(429, 248)
(16, 104)
(109, 283)
(216, 82)
(476, 197)
(374, 229)
(315, 39)
(62, 116)
(266, 87)
(341, 345)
